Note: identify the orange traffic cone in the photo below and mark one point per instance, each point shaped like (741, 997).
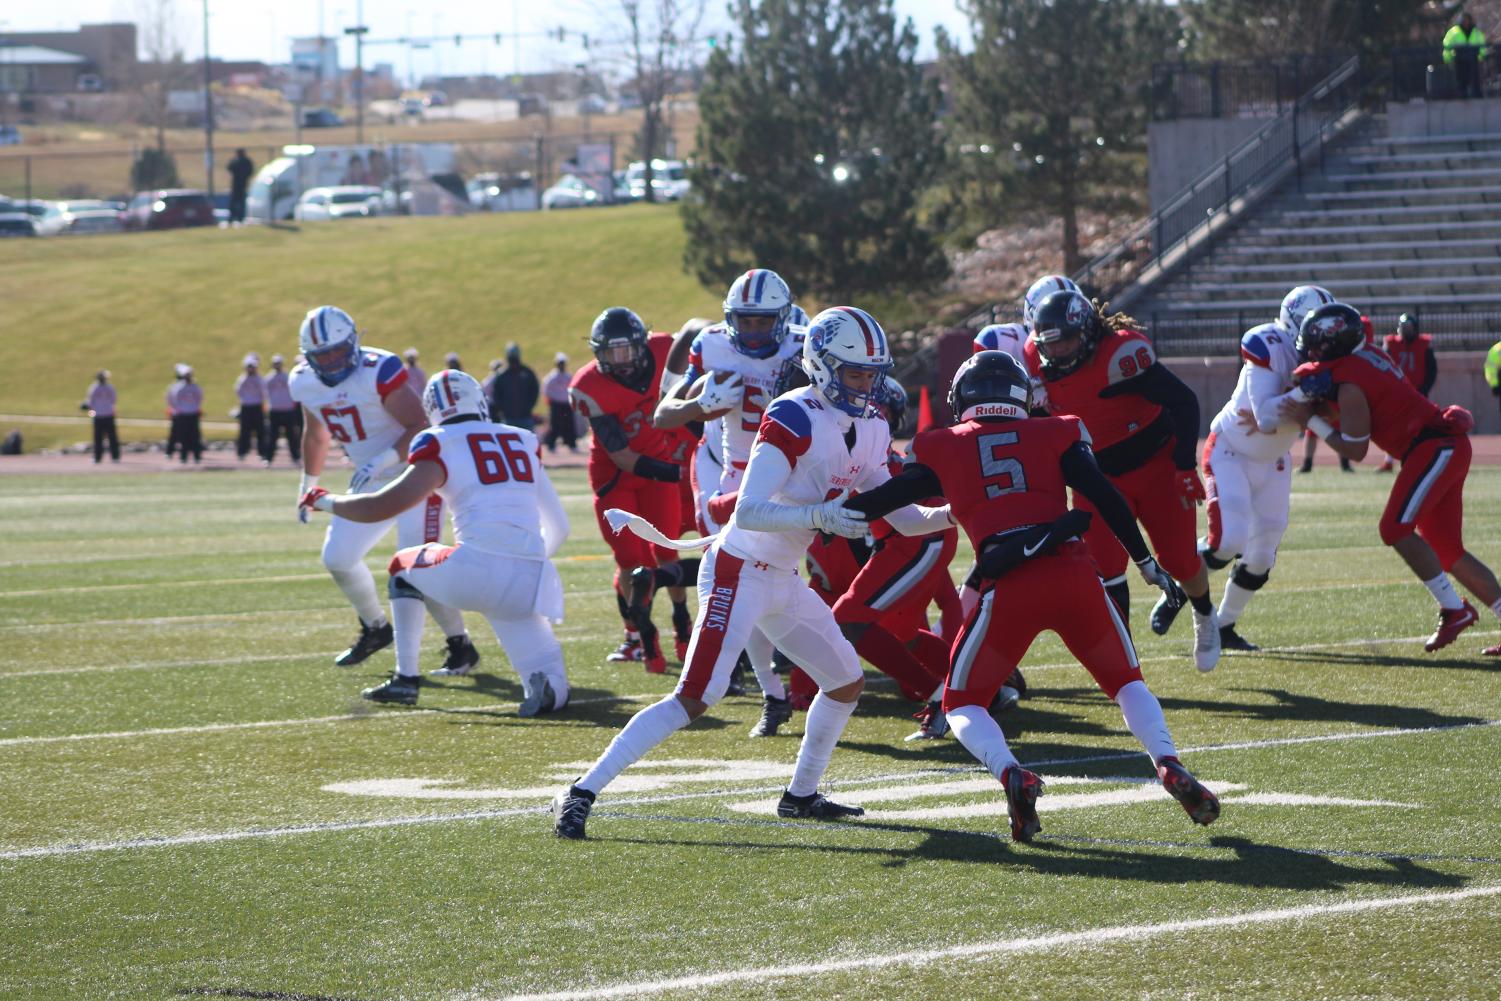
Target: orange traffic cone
(924, 410)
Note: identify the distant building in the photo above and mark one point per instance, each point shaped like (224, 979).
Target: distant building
(318, 58)
(108, 52)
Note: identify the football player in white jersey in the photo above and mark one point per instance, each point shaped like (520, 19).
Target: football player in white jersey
(507, 524)
(749, 350)
(1007, 337)
(360, 397)
(1248, 463)
(815, 445)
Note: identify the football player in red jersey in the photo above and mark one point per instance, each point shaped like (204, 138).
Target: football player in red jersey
(636, 467)
(1413, 353)
(1145, 426)
(1424, 516)
(1005, 476)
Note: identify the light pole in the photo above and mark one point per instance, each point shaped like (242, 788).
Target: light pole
(359, 31)
(208, 108)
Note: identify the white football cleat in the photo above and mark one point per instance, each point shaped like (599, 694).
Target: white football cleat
(1206, 641)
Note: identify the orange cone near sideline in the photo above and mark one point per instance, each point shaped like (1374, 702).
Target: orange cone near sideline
(924, 410)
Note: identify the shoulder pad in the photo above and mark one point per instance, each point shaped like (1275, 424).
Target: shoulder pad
(791, 414)
(1254, 346)
(1077, 427)
(1130, 355)
(425, 446)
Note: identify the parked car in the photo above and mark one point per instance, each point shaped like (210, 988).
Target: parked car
(79, 216)
(320, 118)
(669, 180)
(570, 193)
(171, 208)
(502, 192)
(343, 201)
(10, 135)
(16, 224)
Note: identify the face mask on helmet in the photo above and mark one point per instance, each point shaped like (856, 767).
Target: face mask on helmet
(1298, 303)
(1065, 330)
(755, 311)
(1329, 332)
(330, 343)
(618, 340)
(334, 363)
(756, 334)
(1040, 290)
(846, 357)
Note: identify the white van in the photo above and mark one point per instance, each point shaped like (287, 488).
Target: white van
(669, 179)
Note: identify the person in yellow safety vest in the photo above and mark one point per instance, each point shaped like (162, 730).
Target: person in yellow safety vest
(1493, 369)
(1464, 50)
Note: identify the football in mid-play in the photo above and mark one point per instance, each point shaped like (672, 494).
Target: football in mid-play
(725, 388)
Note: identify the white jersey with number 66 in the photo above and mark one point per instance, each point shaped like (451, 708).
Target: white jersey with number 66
(491, 484)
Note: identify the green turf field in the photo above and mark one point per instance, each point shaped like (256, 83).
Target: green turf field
(197, 803)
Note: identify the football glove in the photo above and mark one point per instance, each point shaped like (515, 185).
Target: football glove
(307, 483)
(316, 499)
(1190, 487)
(369, 470)
(719, 395)
(1316, 383)
(1158, 577)
(833, 518)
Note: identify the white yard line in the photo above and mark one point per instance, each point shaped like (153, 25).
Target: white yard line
(1090, 938)
(50, 851)
(161, 585)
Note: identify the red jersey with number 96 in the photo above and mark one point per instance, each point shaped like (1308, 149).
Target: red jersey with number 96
(490, 484)
(1000, 475)
(595, 395)
(1120, 355)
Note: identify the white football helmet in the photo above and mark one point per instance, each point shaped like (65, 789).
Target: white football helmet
(330, 343)
(1007, 337)
(1040, 290)
(758, 292)
(451, 394)
(1299, 303)
(841, 338)
(797, 316)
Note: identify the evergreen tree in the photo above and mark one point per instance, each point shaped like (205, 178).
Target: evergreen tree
(1050, 109)
(817, 138)
(1253, 30)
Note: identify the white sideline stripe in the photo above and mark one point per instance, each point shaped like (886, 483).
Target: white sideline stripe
(1086, 938)
(49, 851)
(371, 714)
(155, 585)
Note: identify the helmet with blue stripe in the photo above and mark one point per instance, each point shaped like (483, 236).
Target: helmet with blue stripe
(1040, 290)
(1298, 303)
(841, 342)
(330, 343)
(761, 297)
(451, 394)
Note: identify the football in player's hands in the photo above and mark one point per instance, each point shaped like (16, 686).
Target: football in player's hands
(717, 392)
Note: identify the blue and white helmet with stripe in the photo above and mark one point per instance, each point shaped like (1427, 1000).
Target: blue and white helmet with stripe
(845, 338)
(761, 293)
(451, 394)
(1298, 303)
(330, 343)
(1040, 290)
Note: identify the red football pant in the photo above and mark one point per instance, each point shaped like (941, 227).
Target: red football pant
(1154, 501)
(902, 578)
(1428, 498)
(1061, 592)
(659, 503)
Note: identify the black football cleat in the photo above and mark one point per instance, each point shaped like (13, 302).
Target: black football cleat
(395, 689)
(1232, 640)
(1022, 789)
(462, 657)
(815, 806)
(570, 812)
(1163, 614)
(774, 712)
(1201, 805)
(628, 652)
(371, 639)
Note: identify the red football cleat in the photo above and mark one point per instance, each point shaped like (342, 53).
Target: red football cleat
(1201, 805)
(682, 649)
(1491, 651)
(1022, 789)
(628, 652)
(656, 665)
(1451, 622)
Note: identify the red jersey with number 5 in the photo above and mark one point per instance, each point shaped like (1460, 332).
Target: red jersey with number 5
(596, 395)
(1000, 475)
(490, 483)
(1120, 355)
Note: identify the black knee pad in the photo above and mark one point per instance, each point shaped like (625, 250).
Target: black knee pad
(1212, 561)
(1248, 580)
(400, 587)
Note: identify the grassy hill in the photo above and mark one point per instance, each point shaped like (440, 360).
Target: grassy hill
(137, 303)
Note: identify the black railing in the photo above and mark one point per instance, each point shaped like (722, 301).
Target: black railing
(1235, 90)
(1294, 139)
(1220, 336)
(1419, 71)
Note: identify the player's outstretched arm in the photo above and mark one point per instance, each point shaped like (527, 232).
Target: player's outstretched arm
(1162, 387)
(690, 402)
(1082, 473)
(914, 483)
(408, 490)
(768, 471)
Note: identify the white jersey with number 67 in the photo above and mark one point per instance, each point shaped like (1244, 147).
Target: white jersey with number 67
(354, 410)
(491, 488)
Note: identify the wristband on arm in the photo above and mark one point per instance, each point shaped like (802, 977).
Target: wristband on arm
(655, 469)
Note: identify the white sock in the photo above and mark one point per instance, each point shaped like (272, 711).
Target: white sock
(1443, 592)
(969, 599)
(758, 650)
(1233, 604)
(981, 736)
(408, 616)
(1144, 718)
(821, 730)
(646, 730)
(358, 585)
(450, 620)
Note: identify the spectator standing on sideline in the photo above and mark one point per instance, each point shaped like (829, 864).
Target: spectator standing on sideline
(250, 388)
(560, 407)
(1464, 50)
(1413, 353)
(516, 391)
(415, 375)
(1493, 369)
(185, 404)
(100, 403)
(240, 169)
(487, 388)
(285, 414)
(451, 360)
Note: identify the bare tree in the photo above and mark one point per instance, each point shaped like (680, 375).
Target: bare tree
(163, 67)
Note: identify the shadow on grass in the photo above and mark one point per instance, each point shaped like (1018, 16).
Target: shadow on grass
(1441, 662)
(1256, 865)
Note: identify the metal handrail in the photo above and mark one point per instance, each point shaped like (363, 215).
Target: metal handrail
(1208, 200)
